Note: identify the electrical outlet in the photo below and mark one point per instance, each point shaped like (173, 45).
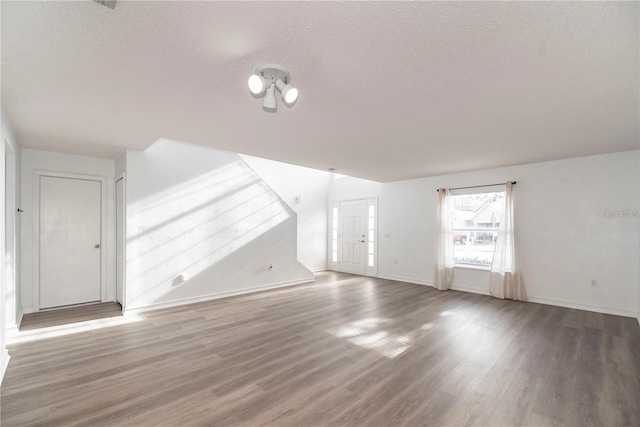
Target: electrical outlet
(594, 283)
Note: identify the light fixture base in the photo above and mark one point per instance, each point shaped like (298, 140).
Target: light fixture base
(273, 72)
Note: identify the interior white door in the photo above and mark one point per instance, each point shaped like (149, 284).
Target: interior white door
(70, 241)
(352, 229)
(120, 239)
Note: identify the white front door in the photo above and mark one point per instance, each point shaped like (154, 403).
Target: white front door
(352, 232)
(70, 241)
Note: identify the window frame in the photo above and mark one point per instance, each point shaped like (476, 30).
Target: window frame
(468, 229)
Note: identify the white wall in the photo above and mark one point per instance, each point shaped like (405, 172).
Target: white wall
(205, 215)
(37, 160)
(10, 246)
(10, 217)
(565, 240)
(312, 187)
(13, 221)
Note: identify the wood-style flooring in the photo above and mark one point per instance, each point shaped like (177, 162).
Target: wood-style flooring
(63, 316)
(343, 351)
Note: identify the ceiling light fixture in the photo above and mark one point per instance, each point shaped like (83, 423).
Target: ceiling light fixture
(269, 102)
(266, 79)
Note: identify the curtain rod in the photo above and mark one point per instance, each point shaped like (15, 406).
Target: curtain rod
(478, 186)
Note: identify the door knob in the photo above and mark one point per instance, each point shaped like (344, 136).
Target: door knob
(97, 245)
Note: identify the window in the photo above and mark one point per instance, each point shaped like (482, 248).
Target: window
(370, 234)
(476, 218)
(334, 235)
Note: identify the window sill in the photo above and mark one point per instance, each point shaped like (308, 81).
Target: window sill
(472, 267)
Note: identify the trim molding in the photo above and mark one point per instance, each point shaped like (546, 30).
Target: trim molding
(406, 280)
(19, 319)
(14, 330)
(537, 300)
(215, 296)
(317, 269)
(425, 283)
(123, 273)
(11, 333)
(585, 307)
(5, 365)
(470, 290)
(37, 176)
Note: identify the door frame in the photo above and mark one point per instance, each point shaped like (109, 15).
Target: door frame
(10, 217)
(123, 273)
(36, 229)
(335, 266)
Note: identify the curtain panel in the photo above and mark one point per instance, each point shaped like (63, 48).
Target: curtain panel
(443, 271)
(505, 280)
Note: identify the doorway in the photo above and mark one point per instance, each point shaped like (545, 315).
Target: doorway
(353, 236)
(70, 253)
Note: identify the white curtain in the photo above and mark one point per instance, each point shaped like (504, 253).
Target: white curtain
(505, 280)
(443, 272)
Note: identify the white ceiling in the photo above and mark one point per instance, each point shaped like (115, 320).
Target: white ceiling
(388, 90)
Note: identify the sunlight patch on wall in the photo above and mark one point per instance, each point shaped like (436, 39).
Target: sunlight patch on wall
(226, 176)
(186, 229)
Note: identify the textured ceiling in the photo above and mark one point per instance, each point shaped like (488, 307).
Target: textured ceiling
(388, 90)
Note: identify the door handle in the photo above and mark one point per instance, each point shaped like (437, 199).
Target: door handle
(97, 246)
(361, 241)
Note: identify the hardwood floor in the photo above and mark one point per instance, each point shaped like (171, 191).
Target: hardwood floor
(63, 316)
(344, 351)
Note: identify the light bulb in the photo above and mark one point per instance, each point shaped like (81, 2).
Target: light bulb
(257, 84)
(288, 92)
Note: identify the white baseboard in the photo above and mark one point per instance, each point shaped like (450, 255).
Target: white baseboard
(557, 303)
(19, 319)
(5, 365)
(218, 295)
(27, 310)
(425, 283)
(318, 269)
(538, 300)
(12, 332)
(470, 290)
(406, 280)
(585, 307)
